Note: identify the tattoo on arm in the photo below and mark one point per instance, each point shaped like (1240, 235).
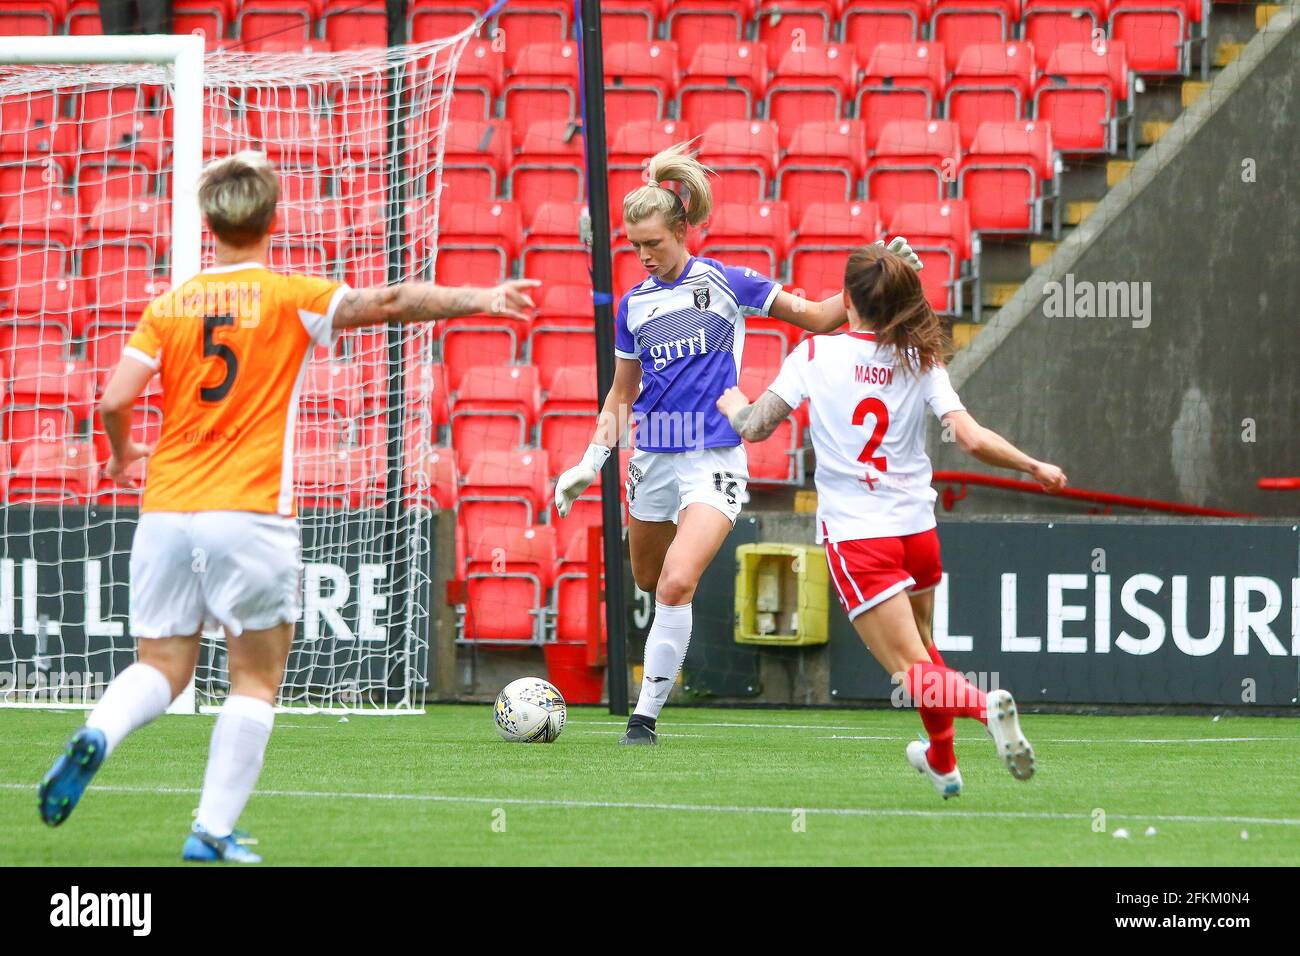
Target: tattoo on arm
(757, 422)
(410, 302)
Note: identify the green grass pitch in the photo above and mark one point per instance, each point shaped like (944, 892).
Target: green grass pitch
(723, 787)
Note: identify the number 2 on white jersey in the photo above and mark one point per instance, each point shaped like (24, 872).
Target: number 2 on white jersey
(876, 408)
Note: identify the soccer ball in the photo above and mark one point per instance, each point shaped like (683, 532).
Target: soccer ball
(530, 711)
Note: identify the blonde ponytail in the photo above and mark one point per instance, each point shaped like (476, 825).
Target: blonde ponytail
(690, 205)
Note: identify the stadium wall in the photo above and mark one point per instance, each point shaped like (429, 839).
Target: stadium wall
(1198, 398)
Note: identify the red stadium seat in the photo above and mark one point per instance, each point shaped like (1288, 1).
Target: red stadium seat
(823, 164)
(566, 435)
(287, 19)
(479, 79)
(508, 580)
(542, 85)
(1004, 178)
(991, 84)
(431, 475)
(750, 235)
(125, 139)
(470, 342)
(940, 234)
(355, 23)
(427, 392)
(1046, 24)
(1156, 34)
(553, 248)
(434, 19)
(478, 241)
(572, 389)
(723, 82)
(744, 156)
(511, 389)
(530, 549)
(571, 587)
(475, 432)
(476, 155)
(39, 379)
(693, 22)
(40, 217)
(31, 18)
(333, 386)
(526, 22)
(789, 24)
(868, 23)
(958, 24)
(53, 472)
(633, 144)
(640, 79)
(1084, 94)
(549, 168)
(338, 479)
(811, 83)
(902, 81)
(48, 342)
(503, 489)
(82, 19)
(208, 18)
(554, 348)
(629, 21)
(914, 160)
(569, 305)
(845, 223)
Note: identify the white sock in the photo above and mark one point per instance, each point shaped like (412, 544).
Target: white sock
(234, 762)
(665, 649)
(136, 696)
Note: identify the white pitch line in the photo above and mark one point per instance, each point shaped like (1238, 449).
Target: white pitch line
(698, 807)
(1046, 740)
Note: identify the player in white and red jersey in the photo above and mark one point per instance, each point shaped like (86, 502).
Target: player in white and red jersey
(868, 391)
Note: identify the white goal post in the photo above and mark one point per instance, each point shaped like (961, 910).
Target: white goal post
(102, 140)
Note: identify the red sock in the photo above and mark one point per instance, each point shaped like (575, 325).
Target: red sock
(940, 730)
(935, 656)
(946, 693)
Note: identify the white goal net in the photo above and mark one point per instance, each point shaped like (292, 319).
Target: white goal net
(98, 155)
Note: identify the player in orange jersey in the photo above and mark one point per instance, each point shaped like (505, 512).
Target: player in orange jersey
(217, 541)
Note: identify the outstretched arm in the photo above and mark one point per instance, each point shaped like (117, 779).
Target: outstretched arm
(815, 317)
(426, 302)
(991, 448)
(829, 314)
(753, 422)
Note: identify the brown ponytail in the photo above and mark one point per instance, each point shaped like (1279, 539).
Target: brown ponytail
(887, 294)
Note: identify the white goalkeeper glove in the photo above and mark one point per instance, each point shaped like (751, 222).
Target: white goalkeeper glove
(574, 482)
(899, 247)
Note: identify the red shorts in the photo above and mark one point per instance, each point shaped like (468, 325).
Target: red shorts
(868, 571)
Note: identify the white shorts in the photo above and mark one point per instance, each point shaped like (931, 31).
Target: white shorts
(661, 484)
(196, 571)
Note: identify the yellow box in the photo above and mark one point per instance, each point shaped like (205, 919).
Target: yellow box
(782, 595)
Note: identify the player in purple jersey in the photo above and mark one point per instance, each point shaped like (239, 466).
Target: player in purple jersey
(679, 338)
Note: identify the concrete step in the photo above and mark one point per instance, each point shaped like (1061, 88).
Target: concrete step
(1193, 90)
(1077, 212)
(963, 333)
(1040, 250)
(1226, 52)
(1265, 12)
(1117, 170)
(1150, 131)
(998, 294)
